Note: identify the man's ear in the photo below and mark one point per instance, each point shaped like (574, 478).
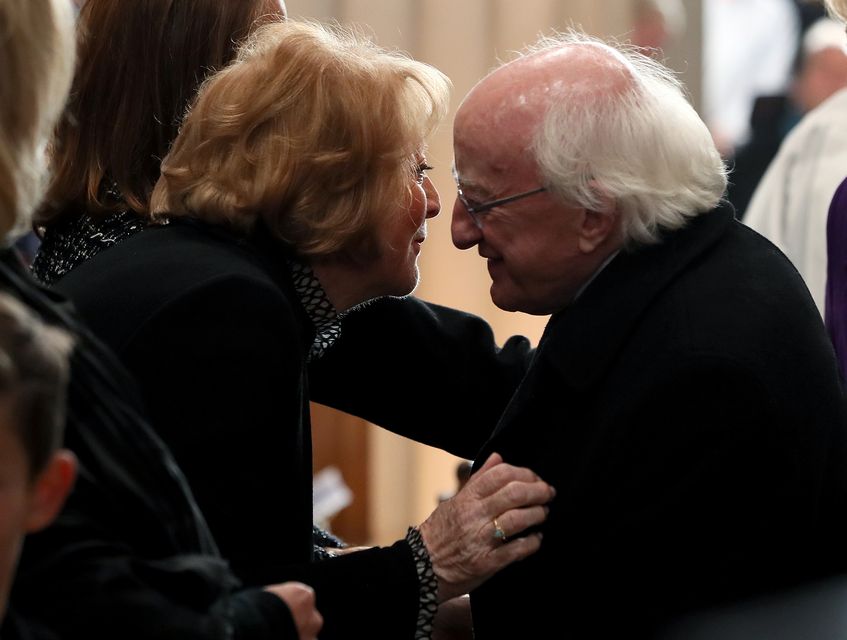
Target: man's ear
(598, 223)
(50, 489)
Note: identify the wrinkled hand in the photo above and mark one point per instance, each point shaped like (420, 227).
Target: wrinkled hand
(300, 599)
(460, 534)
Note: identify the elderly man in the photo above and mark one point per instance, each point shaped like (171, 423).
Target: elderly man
(684, 399)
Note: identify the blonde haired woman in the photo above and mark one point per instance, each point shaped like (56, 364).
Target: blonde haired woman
(296, 189)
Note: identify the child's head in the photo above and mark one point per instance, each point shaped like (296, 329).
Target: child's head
(35, 474)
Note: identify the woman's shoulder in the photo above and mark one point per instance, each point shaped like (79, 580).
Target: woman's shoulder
(172, 256)
(176, 272)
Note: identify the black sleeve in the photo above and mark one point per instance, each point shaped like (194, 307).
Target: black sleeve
(259, 615)
(365, 594)
(79, 583)
(426, 372)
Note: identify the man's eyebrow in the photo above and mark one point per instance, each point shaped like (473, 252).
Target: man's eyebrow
(470, 185)
(476, 188)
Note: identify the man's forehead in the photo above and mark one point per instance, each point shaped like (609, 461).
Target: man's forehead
(499, 111)
(490, 164)
(492, 142)
(532, 82)
(476, 173)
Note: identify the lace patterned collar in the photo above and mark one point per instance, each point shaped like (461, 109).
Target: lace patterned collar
(323, 315)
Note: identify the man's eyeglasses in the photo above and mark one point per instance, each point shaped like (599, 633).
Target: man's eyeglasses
(477, 211)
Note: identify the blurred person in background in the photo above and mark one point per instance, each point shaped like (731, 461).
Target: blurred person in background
(790, 204)
(744, 56)
(139, 66)
(821, 72)
(657, 24)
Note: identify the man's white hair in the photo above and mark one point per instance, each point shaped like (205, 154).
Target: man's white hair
(642, 145)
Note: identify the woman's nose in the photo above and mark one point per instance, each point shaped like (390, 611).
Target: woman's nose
(433, 200)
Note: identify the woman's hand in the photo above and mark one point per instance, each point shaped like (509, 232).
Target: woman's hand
(474, 534)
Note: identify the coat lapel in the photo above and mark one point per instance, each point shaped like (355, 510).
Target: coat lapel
(584, 338)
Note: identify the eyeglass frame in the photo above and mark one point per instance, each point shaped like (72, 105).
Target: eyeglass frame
(485, 207)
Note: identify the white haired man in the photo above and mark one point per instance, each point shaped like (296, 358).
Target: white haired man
(684, 399)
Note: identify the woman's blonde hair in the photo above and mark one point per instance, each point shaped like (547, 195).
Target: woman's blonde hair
(314, 129)
(36, 58)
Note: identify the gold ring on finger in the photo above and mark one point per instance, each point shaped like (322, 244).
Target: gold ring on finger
(499, 533)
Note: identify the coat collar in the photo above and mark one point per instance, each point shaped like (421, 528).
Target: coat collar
(582, 339)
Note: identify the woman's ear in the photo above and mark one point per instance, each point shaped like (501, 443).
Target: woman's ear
(50, 489)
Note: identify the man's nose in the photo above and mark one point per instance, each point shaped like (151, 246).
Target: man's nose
(463, 228)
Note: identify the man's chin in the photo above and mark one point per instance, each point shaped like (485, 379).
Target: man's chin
(502, 301)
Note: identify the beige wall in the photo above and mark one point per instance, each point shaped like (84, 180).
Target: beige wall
(463, 38)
